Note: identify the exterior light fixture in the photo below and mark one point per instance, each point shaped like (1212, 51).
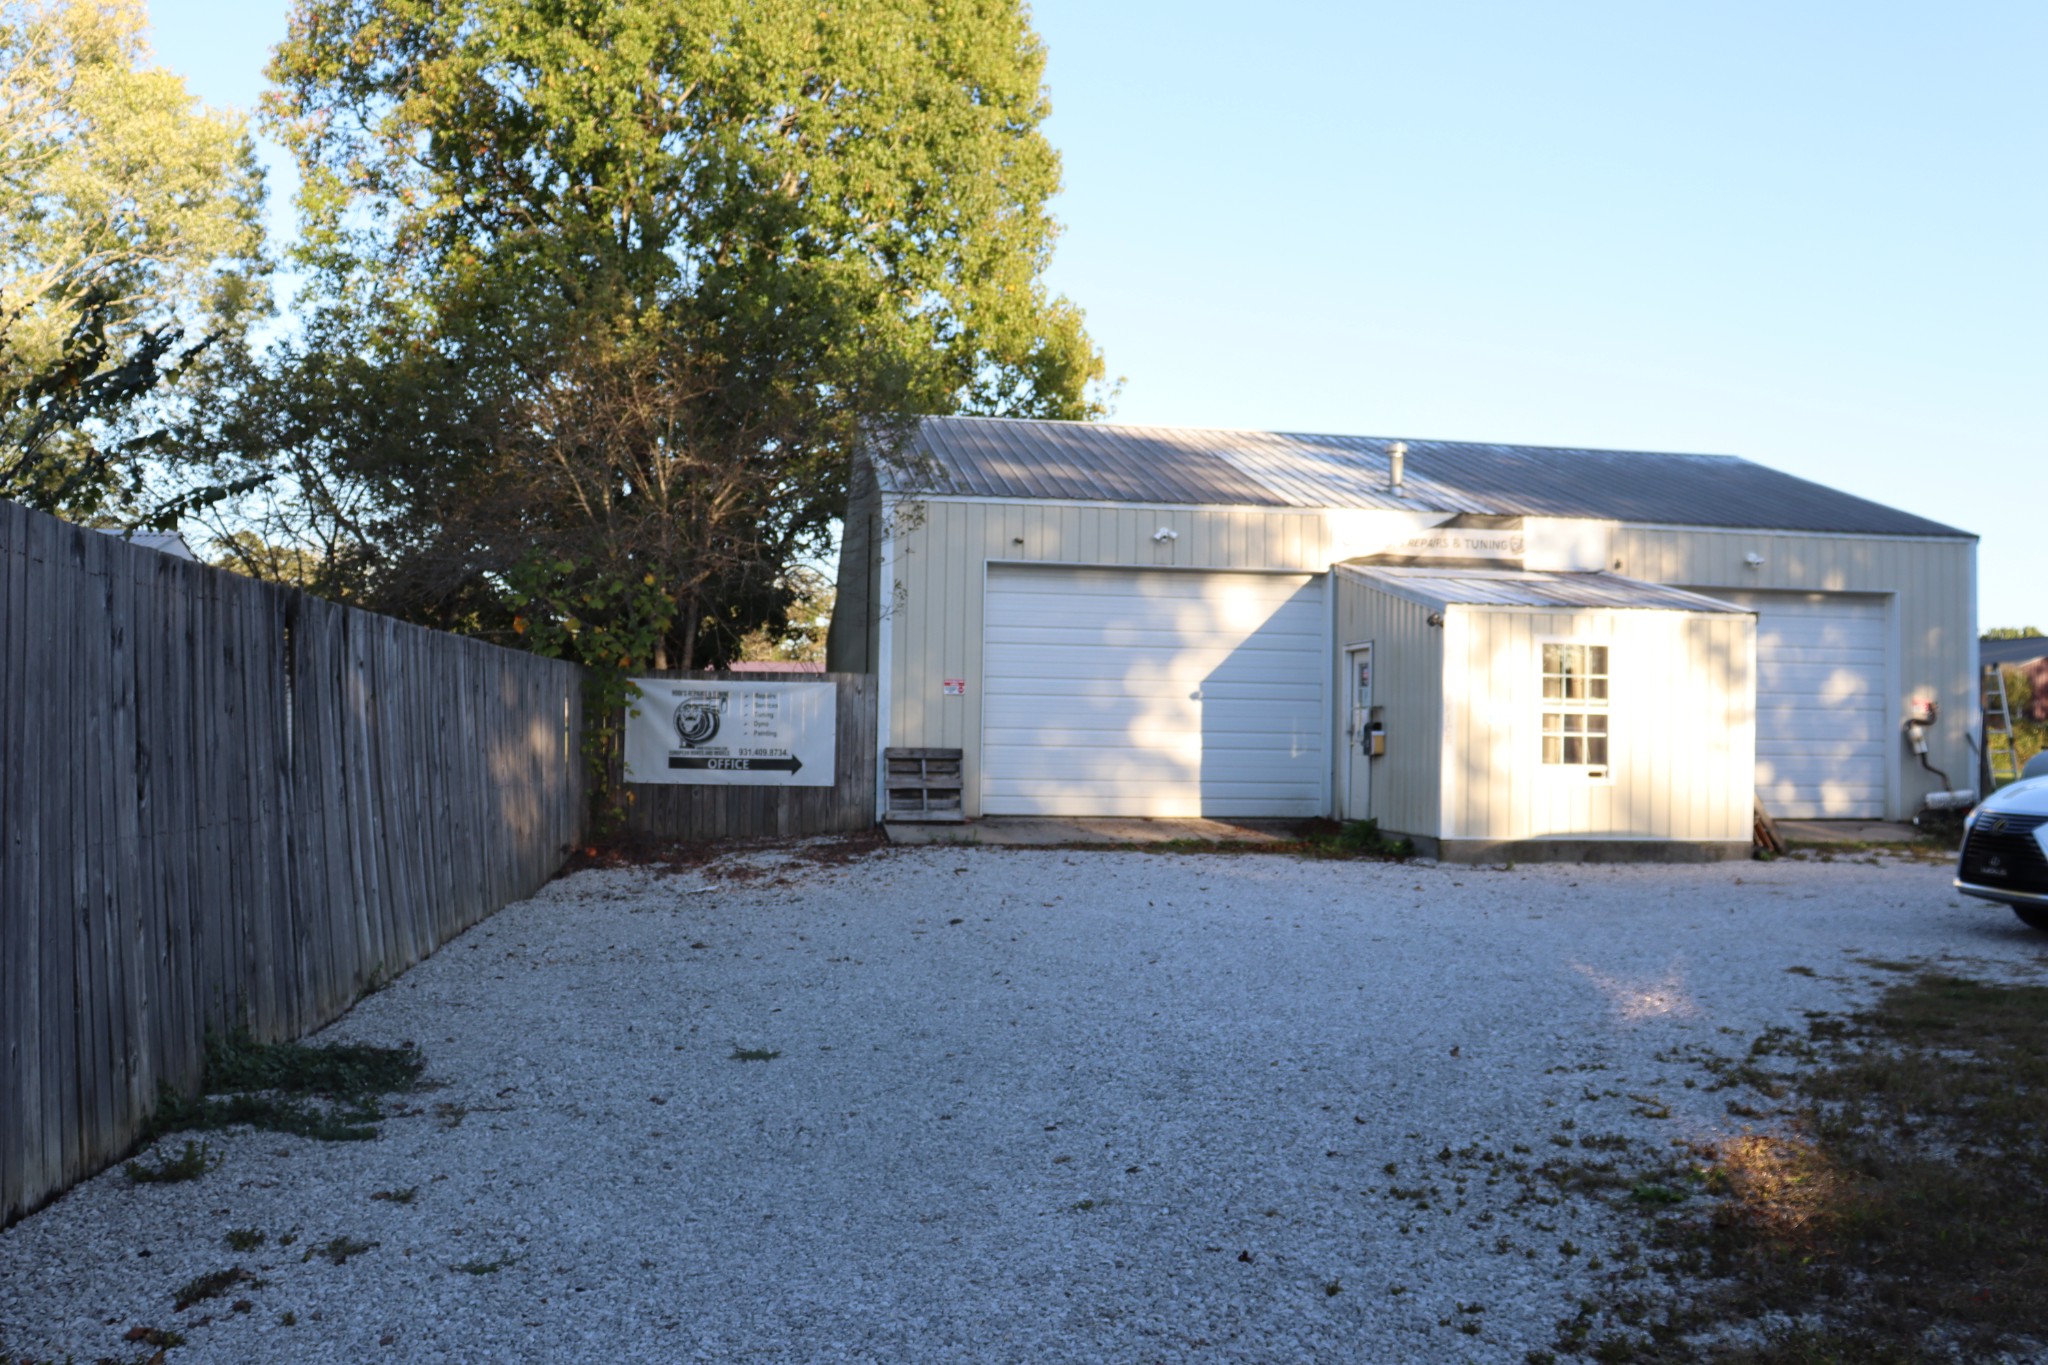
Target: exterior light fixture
(1753, 559)
(1164, 534)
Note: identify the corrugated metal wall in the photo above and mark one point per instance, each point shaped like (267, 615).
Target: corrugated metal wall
(1934, 615)
(1683, 727)
(1408, 670)
(938, 552)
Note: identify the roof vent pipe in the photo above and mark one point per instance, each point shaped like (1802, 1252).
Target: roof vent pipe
(1397, 460)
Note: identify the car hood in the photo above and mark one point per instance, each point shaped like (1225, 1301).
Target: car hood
(2021, 798)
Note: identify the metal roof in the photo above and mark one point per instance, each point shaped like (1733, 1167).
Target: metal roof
(1533, 588)
(2018, 651)
(1099, 462)
(164, 542)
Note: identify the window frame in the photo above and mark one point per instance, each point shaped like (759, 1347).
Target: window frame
(1565, 708)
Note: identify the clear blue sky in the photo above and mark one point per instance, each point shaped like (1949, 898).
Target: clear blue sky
(1811, 234)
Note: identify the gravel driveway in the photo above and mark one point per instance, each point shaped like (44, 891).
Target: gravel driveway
(1028, 1106)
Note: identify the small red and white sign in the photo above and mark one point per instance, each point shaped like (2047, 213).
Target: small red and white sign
(956, 687)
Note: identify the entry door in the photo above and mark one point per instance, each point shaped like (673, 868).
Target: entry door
(1357, 759)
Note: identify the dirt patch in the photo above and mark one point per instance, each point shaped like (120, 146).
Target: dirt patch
(715, 858)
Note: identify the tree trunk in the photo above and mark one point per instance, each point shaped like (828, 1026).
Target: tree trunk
(690, 634)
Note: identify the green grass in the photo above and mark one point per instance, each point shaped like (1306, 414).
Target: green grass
(1906, 1207)
(237, 1062)
(328, 1091)
(244, 1239)
(194, 1161)
(1358, 839)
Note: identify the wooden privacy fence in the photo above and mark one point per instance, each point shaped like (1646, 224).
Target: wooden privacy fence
(676, 811)
(225, 803)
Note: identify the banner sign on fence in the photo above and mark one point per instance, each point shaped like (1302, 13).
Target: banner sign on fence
(760, 734)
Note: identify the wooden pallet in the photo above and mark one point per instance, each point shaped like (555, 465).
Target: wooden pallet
(923, 786)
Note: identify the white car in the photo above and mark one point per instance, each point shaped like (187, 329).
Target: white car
(2005, 847)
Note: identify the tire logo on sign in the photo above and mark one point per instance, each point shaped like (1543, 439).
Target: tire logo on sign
(697, 720)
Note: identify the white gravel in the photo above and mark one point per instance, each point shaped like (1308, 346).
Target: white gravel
(1030, 1105)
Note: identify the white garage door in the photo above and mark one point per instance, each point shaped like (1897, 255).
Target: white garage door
(1154, 693)
(1824, 719)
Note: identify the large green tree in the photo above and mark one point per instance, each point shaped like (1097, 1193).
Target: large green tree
(130, 239)
(604, 292)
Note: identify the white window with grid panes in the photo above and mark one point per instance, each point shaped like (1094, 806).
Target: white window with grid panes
(1575, 707)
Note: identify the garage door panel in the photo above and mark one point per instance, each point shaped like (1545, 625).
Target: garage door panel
(1080, 653)
(1827, 797)
(1277, 701)
(1852, 730)
(1840, 683)
(1054, 693)
(1824, 714)
(1788, 654)
(1048, 766)
(1196, 633)
(1142, 692)
(1799, 749)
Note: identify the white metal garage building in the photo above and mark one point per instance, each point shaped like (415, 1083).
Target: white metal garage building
(1113, 620)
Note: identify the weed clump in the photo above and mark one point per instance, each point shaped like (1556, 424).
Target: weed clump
(210, 1286)
(1359, 839)
(338, 1250)
(327, 1091)
(194, 1161)
(485, 1267)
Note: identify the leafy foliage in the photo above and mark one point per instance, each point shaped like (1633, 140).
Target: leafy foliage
(621, 286)
(130, 241)
(800, 636)
(571, 609)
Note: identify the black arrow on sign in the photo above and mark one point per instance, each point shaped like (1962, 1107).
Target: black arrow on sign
(792, 764)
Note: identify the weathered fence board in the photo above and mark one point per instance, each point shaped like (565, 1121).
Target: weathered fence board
(679, 811)
(225, 804)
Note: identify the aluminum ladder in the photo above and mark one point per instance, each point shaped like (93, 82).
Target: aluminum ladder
(1999, 745)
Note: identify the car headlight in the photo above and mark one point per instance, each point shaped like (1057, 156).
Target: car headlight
(1971, 818)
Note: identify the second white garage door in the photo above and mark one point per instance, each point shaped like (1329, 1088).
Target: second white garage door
(1824, 721)
(1151, 692)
